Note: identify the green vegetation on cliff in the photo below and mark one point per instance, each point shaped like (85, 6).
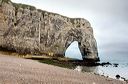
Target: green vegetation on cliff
(5, 1)
(23, 6)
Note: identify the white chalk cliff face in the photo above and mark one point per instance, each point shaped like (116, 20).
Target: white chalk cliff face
(26, 29)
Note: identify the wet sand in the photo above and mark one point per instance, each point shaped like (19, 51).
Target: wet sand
(14, 70)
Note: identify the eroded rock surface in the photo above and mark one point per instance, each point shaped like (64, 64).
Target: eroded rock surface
(26, 29)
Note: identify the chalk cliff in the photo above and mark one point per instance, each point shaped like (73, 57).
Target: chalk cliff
(26, 29)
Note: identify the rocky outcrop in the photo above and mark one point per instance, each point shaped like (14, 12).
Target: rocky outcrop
(26, 29)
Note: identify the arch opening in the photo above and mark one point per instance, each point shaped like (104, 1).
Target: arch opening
(73, 51)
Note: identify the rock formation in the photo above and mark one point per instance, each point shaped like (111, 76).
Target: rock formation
(26, 29)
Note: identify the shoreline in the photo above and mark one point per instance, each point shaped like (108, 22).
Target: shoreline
(68, 63)
(30, 71)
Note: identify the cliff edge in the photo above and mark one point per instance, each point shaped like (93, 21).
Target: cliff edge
(25, 29)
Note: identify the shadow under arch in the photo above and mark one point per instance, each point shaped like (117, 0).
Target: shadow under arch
(73, 51)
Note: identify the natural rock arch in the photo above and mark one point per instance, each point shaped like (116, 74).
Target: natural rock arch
(73, 51)
(86, 43)
(30, 30)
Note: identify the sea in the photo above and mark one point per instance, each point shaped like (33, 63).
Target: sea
(110, 71)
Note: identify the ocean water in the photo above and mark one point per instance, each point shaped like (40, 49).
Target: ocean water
(110, 70)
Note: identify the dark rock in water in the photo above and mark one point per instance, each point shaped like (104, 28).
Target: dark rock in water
(123, 78)
(117, 76)
(26, 29)
(107, 76)
(105, 63)
(126, 81)
(115, 65)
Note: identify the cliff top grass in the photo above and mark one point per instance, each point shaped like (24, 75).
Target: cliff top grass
(6, 1)
(23, 6)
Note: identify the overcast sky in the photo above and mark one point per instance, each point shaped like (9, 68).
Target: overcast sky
(109, 19)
